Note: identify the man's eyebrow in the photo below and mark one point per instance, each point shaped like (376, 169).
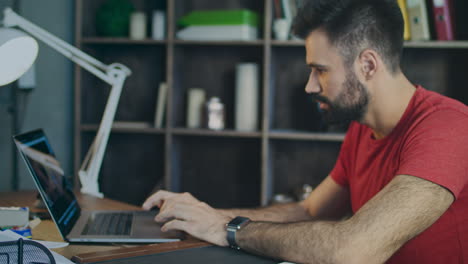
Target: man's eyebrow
(317, 65)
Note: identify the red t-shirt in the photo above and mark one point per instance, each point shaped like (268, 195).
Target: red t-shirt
(431, 142)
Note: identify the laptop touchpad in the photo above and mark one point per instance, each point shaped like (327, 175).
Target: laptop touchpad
(145, 226)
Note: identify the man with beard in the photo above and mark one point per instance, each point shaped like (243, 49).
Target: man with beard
(402, 171)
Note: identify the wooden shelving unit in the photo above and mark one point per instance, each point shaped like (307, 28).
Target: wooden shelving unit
(224, 168)
(124, 41)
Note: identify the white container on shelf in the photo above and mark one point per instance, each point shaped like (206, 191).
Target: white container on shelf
(137, 26)
(196, 100)
(246, 97)
(218, 33)
(158, 25)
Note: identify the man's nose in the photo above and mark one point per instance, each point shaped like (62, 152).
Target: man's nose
(312, 85)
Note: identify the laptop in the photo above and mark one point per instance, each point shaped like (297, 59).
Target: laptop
(74, 224)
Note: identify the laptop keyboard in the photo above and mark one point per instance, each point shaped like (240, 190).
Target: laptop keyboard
(114, 224)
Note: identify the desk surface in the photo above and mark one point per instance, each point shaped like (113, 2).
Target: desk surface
(47, 230)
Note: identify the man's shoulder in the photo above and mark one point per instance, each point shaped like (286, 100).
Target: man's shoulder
(432, 107)
(433, 102)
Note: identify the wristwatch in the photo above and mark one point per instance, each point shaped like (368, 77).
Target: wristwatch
(232, 227)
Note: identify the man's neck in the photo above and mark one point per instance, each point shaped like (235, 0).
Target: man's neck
(390, 98)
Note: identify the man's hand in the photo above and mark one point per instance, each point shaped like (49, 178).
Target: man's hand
(182, 211)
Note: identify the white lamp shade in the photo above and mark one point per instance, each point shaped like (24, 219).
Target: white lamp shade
(18, 51)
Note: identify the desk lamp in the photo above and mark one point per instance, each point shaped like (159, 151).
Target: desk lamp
(18, 52)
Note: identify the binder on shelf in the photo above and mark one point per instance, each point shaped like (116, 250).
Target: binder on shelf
(289, 8)
(404, 12)
(418, 19)
(278, 9)
(287, 12)
(293, 8)
(444, 19)
(160, 105)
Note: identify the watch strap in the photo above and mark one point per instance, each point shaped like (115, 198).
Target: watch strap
(231, 238)
(232, 227)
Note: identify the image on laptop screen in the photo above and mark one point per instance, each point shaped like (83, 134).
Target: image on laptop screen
(49, 177)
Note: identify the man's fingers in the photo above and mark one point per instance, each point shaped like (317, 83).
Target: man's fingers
(175, 210)
(156, 199)
(175, 224)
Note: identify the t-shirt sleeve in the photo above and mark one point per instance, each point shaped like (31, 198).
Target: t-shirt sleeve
(437, 150)
(339, 172)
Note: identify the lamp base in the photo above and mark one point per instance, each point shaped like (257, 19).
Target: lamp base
(92, 192)
(89, 186)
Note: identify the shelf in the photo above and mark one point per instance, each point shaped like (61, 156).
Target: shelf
(122, 41)
(127, 127)
(296, 135)
(457, 44)
(220, 43)
(293, 135)
(287, 43)
(437, 44)
(210, 133)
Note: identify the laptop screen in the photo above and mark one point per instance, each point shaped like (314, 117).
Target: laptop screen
(49, 178)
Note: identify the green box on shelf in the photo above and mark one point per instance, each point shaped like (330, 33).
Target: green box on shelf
(113, 18)
(220, 17)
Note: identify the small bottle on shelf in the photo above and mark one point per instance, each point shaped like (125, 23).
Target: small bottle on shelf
(214, 114)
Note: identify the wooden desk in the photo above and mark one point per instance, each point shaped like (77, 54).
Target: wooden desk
(90, 252)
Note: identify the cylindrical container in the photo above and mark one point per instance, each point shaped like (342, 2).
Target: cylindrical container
(196, 99)
(137, 25)
(281, 28)
(246, 98)
(214, 114)
(158, 25)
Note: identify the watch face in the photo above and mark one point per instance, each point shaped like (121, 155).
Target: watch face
(238, 221)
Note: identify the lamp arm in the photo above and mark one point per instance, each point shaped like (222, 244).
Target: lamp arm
(113, 74)
(89, 170)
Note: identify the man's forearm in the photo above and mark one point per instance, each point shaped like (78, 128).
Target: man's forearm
(280, 213)
(303, 242)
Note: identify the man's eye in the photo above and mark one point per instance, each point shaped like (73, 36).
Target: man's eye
(319, 70)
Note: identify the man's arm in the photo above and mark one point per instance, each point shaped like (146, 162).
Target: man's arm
(183, 212)
(278, 213)
(403, 209)
(328, 201)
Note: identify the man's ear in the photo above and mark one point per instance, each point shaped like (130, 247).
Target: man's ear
(368, 63)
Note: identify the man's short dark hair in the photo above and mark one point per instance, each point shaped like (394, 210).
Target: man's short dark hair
(354, 25)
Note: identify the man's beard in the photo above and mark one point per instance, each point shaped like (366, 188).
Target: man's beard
(350, 105)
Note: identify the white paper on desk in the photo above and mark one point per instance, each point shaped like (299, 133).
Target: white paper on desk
(48, 244)
(9, 235)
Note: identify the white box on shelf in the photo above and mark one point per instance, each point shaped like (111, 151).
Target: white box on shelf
(218, 33)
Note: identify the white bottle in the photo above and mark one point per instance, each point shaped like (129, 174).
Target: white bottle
(215, 114)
